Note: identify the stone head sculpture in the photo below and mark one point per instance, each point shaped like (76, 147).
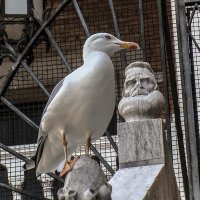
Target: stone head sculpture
(141, 99)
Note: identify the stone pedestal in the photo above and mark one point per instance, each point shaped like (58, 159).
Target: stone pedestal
(140, 143)
(146, 171)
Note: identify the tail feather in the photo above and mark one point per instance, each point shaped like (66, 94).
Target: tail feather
(40, 150)
(34, 162)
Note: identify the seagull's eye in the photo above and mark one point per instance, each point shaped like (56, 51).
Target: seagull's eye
(107, 37)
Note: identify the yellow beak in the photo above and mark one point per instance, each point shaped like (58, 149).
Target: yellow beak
(129, 45)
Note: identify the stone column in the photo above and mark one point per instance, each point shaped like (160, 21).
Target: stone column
(140, 143)
(146, 171)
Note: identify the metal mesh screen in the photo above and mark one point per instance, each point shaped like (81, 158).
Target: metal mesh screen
(193, 19)
(69, 33)
(171, 11)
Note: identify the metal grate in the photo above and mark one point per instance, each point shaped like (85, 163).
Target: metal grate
(137, 20)
(193, 16)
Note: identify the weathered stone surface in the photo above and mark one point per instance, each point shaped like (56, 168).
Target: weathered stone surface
(140, 143)
(153, 182)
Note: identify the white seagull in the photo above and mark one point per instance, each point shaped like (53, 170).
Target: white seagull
(80, 106)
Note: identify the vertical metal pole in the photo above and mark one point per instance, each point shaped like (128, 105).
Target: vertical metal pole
(81, 18)
(164, 70)
(167, 53)
(143, 44)
(193, 77)
(188, 104)
(122, 53)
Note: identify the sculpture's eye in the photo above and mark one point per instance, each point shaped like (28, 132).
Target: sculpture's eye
(131, 83)
(147, 84)
(107, 37)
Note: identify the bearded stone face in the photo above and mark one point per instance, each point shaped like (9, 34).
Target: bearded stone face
(141, 99)
(139, 81)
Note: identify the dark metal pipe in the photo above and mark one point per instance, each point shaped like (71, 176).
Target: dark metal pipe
(173, 81)
(19, 113)
(53, 42)
(112, 142)
(14, 153)
(192, 164)
(142, 30)
(114, 17)
(26, 160)
(35, 78)
(165, 78)
(81, 18)
(122, 53)
(108, 167)
(193, 78)
(14, 53)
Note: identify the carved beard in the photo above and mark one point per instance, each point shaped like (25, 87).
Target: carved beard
(141, 106)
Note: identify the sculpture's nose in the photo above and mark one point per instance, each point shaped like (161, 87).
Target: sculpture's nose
(137, 84)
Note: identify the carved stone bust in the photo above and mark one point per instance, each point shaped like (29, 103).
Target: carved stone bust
(141, 99)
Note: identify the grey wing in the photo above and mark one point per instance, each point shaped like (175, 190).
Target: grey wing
(53, 94)
(41, 135)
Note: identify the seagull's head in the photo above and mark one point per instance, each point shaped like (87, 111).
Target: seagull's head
(106, 43)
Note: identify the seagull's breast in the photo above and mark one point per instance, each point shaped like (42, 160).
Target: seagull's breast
(85, 104)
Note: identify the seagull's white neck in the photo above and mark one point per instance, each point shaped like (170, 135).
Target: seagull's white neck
(90, 55)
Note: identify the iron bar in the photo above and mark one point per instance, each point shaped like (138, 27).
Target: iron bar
(14, 53)
(85, 27)
(14, 153)
(35, 78)
(19, 113)
(24, 192)
(114, 17)
(190, 2)
(108, 167)
(26, 160)
(172, 76)
(53, 42)
(193, 78)
(165, 78)
(191, 17)
(16, 65)
(142, 30)
(112, 142)
(122, 53)
(188, 105)
(193, 39)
